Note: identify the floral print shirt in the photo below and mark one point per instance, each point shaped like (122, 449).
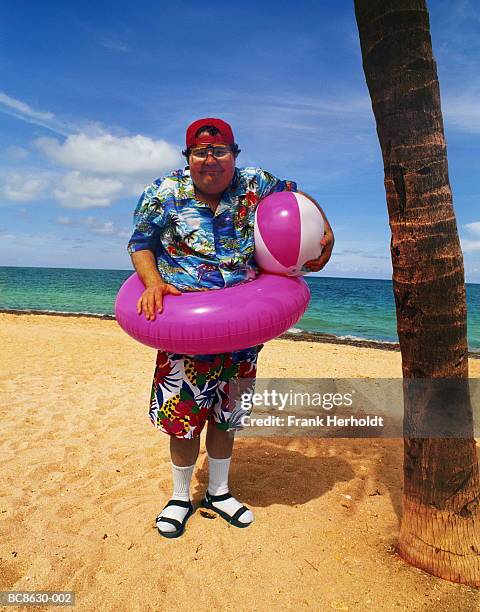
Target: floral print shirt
(195, 248)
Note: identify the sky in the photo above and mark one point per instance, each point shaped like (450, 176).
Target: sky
(95, 99)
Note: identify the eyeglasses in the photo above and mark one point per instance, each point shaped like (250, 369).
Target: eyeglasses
(217, 151)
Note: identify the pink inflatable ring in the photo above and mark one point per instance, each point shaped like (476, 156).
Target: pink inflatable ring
(216, 321)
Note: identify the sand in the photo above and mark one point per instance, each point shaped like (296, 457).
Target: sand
(84, 473)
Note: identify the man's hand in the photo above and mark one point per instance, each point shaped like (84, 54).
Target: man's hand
(151, 300)
(328, 240)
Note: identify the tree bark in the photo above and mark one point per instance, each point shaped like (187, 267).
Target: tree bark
(440, 529)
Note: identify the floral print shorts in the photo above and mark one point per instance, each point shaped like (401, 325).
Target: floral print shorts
(186, 392)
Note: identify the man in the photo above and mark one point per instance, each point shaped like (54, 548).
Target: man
(194, 231)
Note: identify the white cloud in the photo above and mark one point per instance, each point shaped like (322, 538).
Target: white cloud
(21, 186)
(105, 228)
(108, 154)
(473, 228)
(353, 258)
(79, 183)
(95, 226)
(125, 163)
(17, 153)
(24, 112)
(462, 111)
(348, 115)
(66, 200)
(74, 190)
(23, 108)
(469, 246)
(65, 221)
(79, 191)
(112, 41)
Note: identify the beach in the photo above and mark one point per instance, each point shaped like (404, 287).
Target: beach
(84, 474)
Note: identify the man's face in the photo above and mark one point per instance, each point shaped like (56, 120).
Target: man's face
(211, 175)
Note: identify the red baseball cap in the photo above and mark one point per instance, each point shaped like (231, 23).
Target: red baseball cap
(225, 135)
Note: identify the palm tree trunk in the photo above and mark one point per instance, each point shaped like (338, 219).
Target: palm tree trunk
(440, 530)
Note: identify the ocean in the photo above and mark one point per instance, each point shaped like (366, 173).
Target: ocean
(351, 309)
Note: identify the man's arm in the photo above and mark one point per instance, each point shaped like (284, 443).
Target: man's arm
(327, 241)
(151, 300)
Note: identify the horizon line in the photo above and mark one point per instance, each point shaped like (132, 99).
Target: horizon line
(132, 271)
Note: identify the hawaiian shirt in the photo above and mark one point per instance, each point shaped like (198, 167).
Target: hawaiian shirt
(195, 248)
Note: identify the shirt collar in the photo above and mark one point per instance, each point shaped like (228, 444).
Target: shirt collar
(185, 189)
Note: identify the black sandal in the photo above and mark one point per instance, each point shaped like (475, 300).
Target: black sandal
(180, 526)
(208, 501)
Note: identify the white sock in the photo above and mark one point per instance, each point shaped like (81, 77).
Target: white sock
(218, 485)
(182, 477)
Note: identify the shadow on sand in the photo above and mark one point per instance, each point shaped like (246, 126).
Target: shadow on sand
(288, 471)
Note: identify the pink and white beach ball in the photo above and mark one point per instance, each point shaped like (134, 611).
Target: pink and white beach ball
(288, 230)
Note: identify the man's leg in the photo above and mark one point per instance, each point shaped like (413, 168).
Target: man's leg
(219, 449)
(219, 445)
(183, 453)
(170, 413)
